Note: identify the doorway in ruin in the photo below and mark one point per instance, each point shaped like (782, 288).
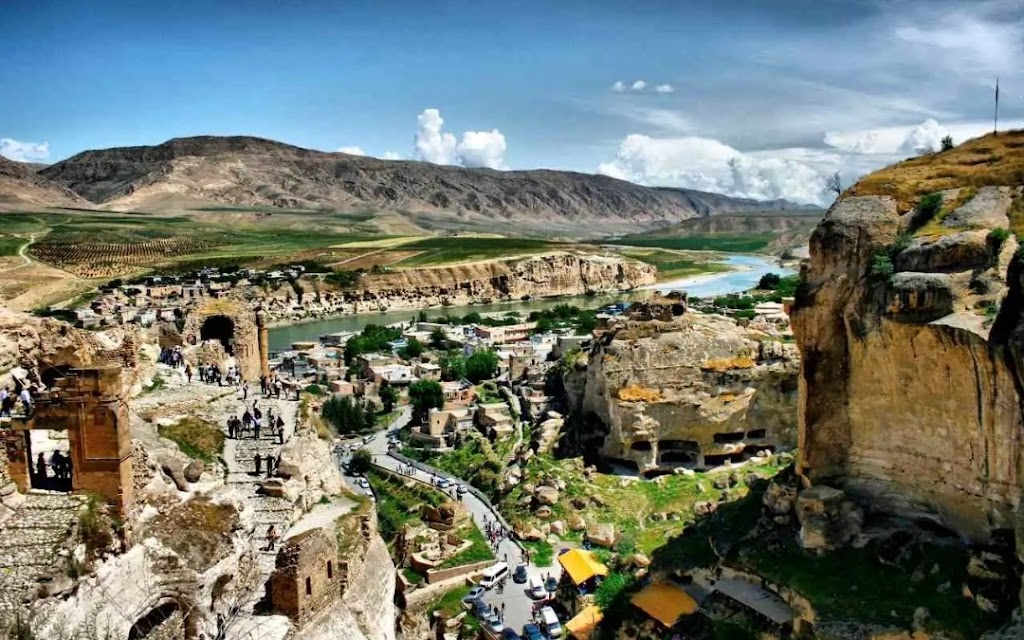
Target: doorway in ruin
(166, 621)
(50, 461)
(222, 329)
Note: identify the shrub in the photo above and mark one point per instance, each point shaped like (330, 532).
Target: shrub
(998, 236)
(425, 395)
(947, 143)
(347, 415)
(482, 365)
(881, 266)
(361, 461)
(610, 589)
(927, 207)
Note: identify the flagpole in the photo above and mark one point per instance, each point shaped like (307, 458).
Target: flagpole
(995, 118)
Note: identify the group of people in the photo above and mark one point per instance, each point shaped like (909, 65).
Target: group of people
(172, 356)
(252, 422)
(269, 461)
(59, 463)
(9, 399)
(495, 533)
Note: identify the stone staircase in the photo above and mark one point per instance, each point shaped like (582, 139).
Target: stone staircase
(35, 543)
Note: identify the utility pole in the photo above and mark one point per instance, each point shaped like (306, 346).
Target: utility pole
(995, 119)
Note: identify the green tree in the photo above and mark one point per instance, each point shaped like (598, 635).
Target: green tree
(769, 281)
(373, 338)
(412, 349)
(361, 462)
(453, 366)
(344, 414)
(369, 417)
(482, 365)
(437, 338)
(388, 396)
(421, 316)
(947, 143)
(472, 317)
(425, 395)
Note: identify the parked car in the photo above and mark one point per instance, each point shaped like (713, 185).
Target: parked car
(532, 632)
(551, 623)
(444, 483)
(551, 584)
(481, 609)
(493, 622)
(474, 594)
(367, 439)
(363, 482)
(535, 589)
(509, 634)
(519, 577)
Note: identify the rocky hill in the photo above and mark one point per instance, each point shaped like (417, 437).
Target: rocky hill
(190, 173)
(910, 322)
(21, 185)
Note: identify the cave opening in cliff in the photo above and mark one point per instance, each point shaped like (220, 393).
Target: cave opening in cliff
(641, 445)
(221, 329)
(50, 374)
(145, 625)
(757, 434)
(679, 457)
(732, 436)
(718, 459)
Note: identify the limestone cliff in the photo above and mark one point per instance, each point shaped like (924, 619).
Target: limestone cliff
(909, 328)
(511, 279)
(691, 392)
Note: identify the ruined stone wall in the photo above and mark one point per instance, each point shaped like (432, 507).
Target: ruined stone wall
(910, 400)
(307, 579)
(245, 337)
(692, 392)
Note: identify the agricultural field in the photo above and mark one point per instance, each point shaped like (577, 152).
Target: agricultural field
(728, 243)
(447, 250)
(676, 264)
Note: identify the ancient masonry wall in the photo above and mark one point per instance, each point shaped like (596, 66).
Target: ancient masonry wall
(248, 339)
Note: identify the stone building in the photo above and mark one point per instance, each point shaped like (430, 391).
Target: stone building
(241, 332)
(308, 578)
(91, 405)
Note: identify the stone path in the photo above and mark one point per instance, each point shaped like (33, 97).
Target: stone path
(34, 543)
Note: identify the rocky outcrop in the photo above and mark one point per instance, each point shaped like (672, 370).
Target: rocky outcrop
(694, 392)
(911, 386)
(22, 187)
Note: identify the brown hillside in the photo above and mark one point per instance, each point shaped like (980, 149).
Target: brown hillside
(991, 160)
(21, 186)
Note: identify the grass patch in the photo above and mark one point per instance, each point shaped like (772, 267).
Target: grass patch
(10, 245)
(477, 552)
(725, 242)
(436, 251)
(411, 576)
(542, 553)
(449, 605)
(196, 438)
(671, 264)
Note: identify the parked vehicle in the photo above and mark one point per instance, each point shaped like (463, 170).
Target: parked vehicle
(532, 632)
(509, 634)
(481, 609)
(443, 483)
(549, 619)
(551, 584)
(493, 575)
(519, 577)
(474, 594)
(535, 589)
(493, 622)
(363, 482)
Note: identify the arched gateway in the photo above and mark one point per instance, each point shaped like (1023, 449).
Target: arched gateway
(241, 331)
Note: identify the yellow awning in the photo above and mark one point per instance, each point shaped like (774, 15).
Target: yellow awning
(585, 622)
(581, 565)
(665, 602)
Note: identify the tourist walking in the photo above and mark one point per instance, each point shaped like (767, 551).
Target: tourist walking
(188, 374)
(26, 400)
(258, 460)
(256, 427)
(271, 538)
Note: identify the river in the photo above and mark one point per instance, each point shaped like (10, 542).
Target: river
(749, 271)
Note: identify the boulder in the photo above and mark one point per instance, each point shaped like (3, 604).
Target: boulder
(641, 560)
(175, 470)
(194, 470)
(601, 534)
(779, 498)
(577, 523)
(530, 533)
(546, 495)
(543, 512)
(828, 519)
(558, 528)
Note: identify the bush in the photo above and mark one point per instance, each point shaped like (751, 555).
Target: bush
(361, 461)
(927, 207)
(947, 143)
(482, 365)
(610, 589)
(881, 266)
(425, 395)
(348, 415)
(998, 236)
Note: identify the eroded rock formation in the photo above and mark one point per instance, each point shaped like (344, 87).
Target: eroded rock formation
(694, 391)
(910, 387)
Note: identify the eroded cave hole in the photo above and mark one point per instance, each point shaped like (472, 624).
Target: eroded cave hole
(222, 329)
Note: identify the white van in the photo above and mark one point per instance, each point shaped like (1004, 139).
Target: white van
(493, 575)
(551, 623)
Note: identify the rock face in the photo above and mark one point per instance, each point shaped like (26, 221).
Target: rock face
(828, 520)
(911, 394)
(253, 171)
(694, 392)
(21, 186)
(561, 274)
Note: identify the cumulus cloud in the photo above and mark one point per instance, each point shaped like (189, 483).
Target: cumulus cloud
(665, 88)
(476, 149)
(619, 86)
(24, 151)
(639, 85)
(352, 151)
(391, 155)
(432, 144)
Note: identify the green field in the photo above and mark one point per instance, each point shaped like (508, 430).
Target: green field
(729, 243)
(673, 264)
(9, 245)
(446, 250)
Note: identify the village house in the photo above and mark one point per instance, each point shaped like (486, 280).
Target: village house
(458, 392)
(442, 426)
(396, 375)
(366, 361)
(505, 334)
(494, 421)
(427, 371)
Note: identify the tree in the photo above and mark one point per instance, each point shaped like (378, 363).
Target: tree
(347, 415)
(425, 395)
(369, 417)
(482, 365)
(388, 396)
(947, 143)
(769, 281)
(413, 349)
(834, 184)
(361, 462)
(453, 366)
(438, 337)
(421, 316)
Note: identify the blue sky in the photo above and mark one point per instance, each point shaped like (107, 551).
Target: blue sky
(757, 98)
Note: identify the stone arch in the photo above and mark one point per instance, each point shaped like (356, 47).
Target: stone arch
(220, 328)
(241, 330)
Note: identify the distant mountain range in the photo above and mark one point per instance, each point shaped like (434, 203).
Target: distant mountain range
(209, 172)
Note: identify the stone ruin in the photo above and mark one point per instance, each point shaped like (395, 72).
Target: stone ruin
(241, 332)
(91, 405)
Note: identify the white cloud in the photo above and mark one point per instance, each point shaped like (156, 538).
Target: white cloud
(476, 149)
(432, 144)
(391, 155)
(24, 151)
(482, 149)
(665, 88)
(619, 86)
(639, 85)
(352, 151)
